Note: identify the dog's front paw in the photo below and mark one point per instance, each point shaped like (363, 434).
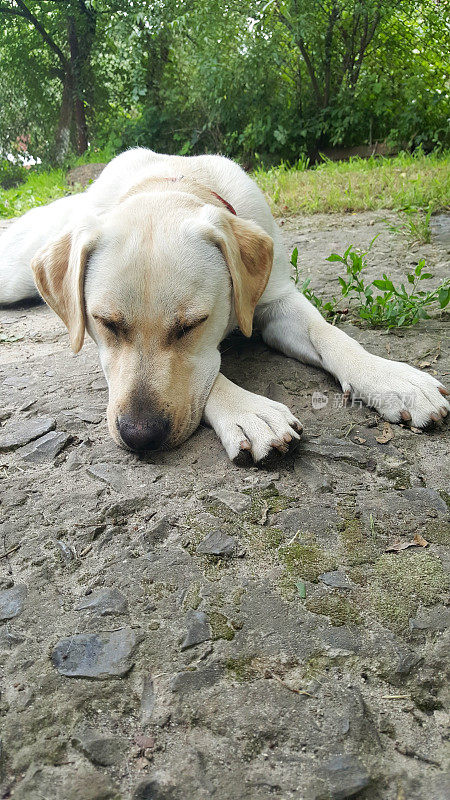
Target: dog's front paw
(398, 391)
(257, 425)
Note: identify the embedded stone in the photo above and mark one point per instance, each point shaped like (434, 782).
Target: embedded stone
(196, 680)
(217, 544)
(108, 473)
(236, 501)
(198, 629)
(148, 699)
(152, 789)
(104, 602)
(46, 447)
(346, 776)
(95, 655)
(12, 602)
(20, 432)
(99, 749)
(339, 449)
(431, 619)
(336, 579)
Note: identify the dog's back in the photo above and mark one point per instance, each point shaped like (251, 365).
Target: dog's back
(23, 238)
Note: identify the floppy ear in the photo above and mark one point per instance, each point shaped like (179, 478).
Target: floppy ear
(59, 270)
(248, 251)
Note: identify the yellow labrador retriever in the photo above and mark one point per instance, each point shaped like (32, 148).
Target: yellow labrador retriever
(159, 260)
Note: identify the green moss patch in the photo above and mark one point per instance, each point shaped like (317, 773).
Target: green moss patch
(242, 669)
(446, 498)
(306, 560)
(437, 532)
(341, 610)
(192, 598)
(356, 546)
(220, 626)
(398, 475)
(400, 583)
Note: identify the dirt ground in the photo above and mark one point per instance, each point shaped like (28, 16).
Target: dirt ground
(180, 628)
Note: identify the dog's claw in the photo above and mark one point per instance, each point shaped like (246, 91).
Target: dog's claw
(435, 418)
(405, 415)
(443, 411)
(346, 397)
(277, 444)
(245, 445)
(444, 392)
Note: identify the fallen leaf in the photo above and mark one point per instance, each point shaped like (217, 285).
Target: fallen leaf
(424, 364)
(387, 434)
(397, 546)
(360, 440)
(301, 588)
(418, 541)
(415, 430)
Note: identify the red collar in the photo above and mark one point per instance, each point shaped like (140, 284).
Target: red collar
(225, 202)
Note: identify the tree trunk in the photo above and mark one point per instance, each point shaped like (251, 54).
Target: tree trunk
(81, 126)
(62, 136)
(81, 135)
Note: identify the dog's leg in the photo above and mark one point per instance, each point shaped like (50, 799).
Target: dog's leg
(399, 392)
(247, 421)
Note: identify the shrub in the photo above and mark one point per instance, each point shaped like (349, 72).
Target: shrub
(11, 174)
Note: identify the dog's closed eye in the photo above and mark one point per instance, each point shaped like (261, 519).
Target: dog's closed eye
(113, 325)
(183, 328)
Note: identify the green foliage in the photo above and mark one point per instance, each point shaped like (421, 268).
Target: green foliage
(395, 307)
(261, 79)
(327, 308)
(11, 174)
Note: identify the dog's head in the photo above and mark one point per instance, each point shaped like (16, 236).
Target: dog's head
(155, 283)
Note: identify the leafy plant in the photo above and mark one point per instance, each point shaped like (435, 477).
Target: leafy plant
(395, 307)
(414, 225)
(327, 308)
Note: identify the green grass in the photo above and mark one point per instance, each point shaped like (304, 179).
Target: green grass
(414, 225)
(406, 181)
(40, 188)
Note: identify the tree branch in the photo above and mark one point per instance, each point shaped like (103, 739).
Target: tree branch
(28, 15)
(369, 33)
(299, 41)
(328, 52)
(309, 66)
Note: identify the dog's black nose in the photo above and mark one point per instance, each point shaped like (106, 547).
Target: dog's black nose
(143, 434)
